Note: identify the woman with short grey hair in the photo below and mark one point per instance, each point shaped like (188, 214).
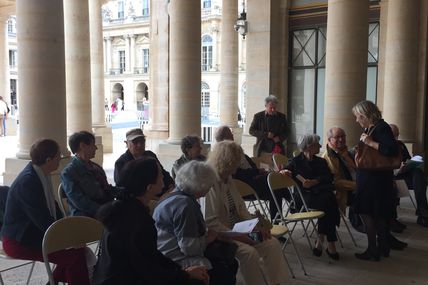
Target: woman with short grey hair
(181, 227)
(313, 176)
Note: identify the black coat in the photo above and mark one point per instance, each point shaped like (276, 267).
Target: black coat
(375, 195)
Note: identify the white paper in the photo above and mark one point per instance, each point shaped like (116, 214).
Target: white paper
(300, 178)
(244, 227)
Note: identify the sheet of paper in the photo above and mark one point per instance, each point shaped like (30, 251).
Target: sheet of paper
(244, 227)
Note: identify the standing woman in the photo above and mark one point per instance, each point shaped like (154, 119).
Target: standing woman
(374, 199)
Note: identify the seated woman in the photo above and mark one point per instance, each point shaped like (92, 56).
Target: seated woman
(31, 209)
(191, 146)
(313, 176)
(128, 248)
(224, 207)
(253, 176)
(182, 234)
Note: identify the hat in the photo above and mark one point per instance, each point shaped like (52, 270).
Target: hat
(134, 134)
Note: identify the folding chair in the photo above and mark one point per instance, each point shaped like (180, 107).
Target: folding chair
(62, 201)
(25, 262)
(66, 233)
(403, 190)
(277, 181)
(277, 230)
(279, 160)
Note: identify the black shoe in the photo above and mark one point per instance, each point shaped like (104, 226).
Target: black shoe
(317, 252)
(334, 256)
(396, 227)
(395, 244)
(422, 221)
(368, 255)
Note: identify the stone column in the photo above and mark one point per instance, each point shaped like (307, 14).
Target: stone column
(4, 60)
(41, 72)
(78, 66)
(229, 68)
(132, 53)
(97, 77)
(346, 64)
(185, 69)
(159, 71)
(381, 58)
(401, 66)
(108, 56)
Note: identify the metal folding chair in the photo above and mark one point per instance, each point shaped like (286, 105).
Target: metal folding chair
(279, 160)
(62, 201)
(24, 263)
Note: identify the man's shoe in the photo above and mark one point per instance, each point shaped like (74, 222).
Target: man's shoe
(395, 244)
(422, 221)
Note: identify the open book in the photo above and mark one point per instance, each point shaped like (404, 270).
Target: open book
(244, 227)
(411, 164)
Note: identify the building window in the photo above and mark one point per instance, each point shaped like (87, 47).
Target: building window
(145, 60)
(12, 59)
(145, 7)
(11, 27)
(122, 65)
(205, 99)
(207, 53)
(120, 10)
(307, 78)
(206, 4)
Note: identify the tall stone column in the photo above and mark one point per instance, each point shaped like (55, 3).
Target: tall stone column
(229, 65)
(41, 72)
(132, 53)
(346, 64)
(401, 66)
(159, 71)
(97, 77)
(185, 69)
(78, 66)
(4, 60)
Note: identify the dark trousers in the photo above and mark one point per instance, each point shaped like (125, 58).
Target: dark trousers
(415, 179)
(71, 263)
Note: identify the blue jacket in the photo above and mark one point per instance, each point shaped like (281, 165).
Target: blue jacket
(27, 216)
(85, 194)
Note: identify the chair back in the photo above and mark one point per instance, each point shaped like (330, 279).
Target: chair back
(279, 160)
(69, 232)
(62, 201)
(244, 190)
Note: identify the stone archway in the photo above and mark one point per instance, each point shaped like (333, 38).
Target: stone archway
(142, 98)
(118, 97)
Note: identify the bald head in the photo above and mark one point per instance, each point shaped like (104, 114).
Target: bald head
(395, 130)
(336, 138)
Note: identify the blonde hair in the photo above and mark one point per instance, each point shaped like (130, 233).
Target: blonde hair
(369, 110)
(226, 157)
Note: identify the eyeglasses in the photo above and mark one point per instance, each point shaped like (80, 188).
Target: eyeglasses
(339, 137)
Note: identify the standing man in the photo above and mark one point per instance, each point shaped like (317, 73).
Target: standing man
(136, 144)
(270, 127)
(4, 109)
(341, 165)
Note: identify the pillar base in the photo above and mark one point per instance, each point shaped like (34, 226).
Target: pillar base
(13, 166)
(107, 137)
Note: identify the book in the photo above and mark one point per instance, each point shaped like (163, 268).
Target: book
(411, 164)
(244, 227)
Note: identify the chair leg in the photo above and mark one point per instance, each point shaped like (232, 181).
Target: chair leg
(31, 272)
(1, 280)
(413, 202)
(297, 253)
(306, 234)
(348, 228)
(339, 239)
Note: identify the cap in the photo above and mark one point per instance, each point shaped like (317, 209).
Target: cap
(134, 134)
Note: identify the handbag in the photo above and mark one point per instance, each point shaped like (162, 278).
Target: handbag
(368, 158)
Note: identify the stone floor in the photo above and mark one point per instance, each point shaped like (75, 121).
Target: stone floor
(402, 267)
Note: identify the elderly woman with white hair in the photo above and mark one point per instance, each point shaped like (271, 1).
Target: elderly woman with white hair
(224, 207)
(182, 234)
(313, 176)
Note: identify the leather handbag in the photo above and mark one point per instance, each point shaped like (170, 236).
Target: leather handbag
(369, 158)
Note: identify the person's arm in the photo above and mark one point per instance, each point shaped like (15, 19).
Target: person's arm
(255, 128)
(76, 196)
(118, 165)
(33, 202)
(283, 128)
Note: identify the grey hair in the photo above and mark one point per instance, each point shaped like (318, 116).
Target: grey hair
(330, 131)
(369, 110)
(271, 99)
(307, 140)
(195, 177)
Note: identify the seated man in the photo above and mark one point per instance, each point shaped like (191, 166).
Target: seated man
(191, 146)
(341, 165)
(136, 144)
(415, 179)
(83, 181)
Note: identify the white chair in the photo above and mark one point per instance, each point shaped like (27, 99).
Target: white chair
(279, 160)
(277, 230)
(69, 232)
(62, 201)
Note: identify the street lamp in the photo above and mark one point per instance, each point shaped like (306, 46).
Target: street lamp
(241, 25)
